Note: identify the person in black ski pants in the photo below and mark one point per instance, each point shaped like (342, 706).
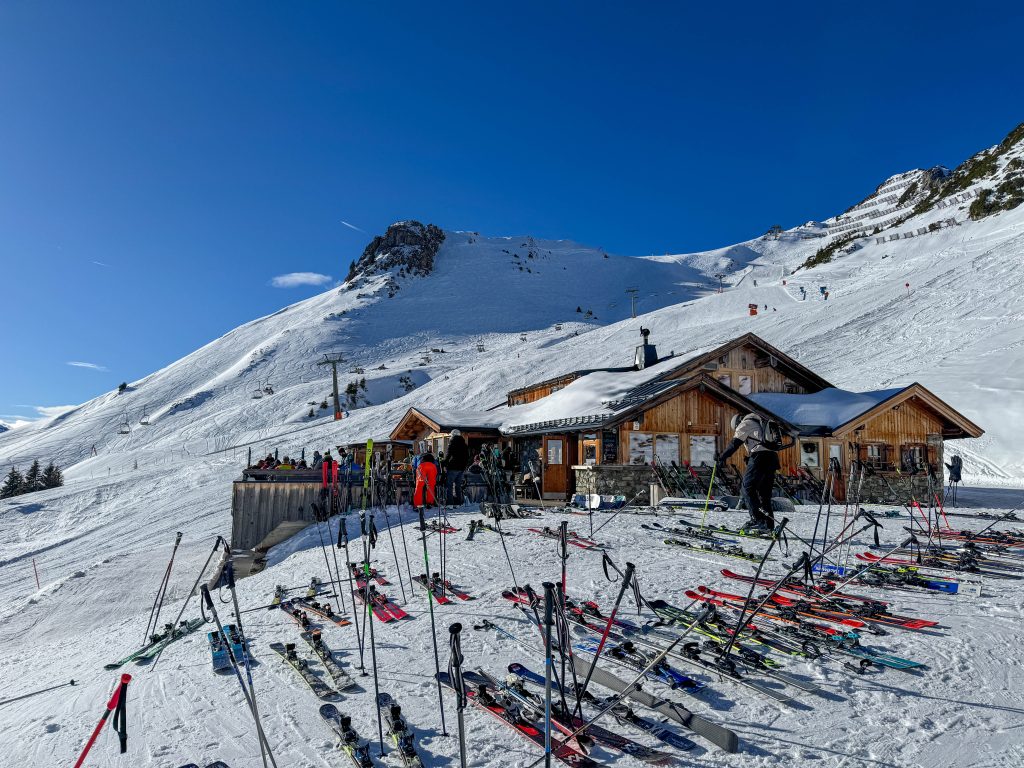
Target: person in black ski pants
(455, 463)
(762, 464)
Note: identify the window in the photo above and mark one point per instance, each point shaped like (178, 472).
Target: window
(914, 458)
(809, 455)
(702, 450)
(878, 456)
(723, 360)
(746, 384)
(641, 447)
(666, 448)
(725, 378)
(790, 388)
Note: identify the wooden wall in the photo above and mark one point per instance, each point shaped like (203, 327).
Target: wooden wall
(748, 361)
(690, 413)
(258, 508)
(533, 394)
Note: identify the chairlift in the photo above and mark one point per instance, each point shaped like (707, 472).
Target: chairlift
(257, 393)
(126, 427)
(522, 337)
(268, 390)
(144, 419)
(479, 346)
(558, 326)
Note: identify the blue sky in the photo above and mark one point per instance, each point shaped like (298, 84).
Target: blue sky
(161, 163)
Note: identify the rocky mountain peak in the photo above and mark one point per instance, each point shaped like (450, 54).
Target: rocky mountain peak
(406, 249)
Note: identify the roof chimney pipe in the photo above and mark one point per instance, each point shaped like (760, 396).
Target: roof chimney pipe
(646, 354)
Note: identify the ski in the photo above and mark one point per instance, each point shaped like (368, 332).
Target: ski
(359, 574)
(323, 610)
(521, 719)
(623, 713)
(574, 538)
(349, 741)
(314, 587)
(625, 654)
(158, 642)
(566, 723)
(318, 686)
(720, 736)
(435, 589)
(708, 548)
(398, 731)
(342, 680)
(279, 594)
(239, 648)
(380, 605)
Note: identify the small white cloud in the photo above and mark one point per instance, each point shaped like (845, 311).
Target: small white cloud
(353, 226)
(294, 279)
(100, 264)
(92, 366)
(49, 411)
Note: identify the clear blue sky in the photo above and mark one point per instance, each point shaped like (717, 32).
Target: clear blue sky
(196, 150)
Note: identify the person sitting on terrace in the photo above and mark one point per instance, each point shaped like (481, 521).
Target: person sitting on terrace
(286, 463)
(302, 464)
(317, 459)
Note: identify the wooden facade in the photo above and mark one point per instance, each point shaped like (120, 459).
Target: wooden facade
(683, 415)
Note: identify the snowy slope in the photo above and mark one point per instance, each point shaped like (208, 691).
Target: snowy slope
(101, 541)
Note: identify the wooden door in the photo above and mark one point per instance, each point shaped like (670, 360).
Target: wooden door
(555, 473)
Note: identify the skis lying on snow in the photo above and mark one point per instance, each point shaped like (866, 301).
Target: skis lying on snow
(220, 657)
(280, 591)
(521, 719)
(567, 723)
(718, 735)
(318, 686)
(725, 550)
(380, 605)
(441, 588)
(315, 585)
(215, 764)
(323, 610)
(435, 527)
(349, 741)
(622, 712)
(398, 731)
(158, 642)
(627, 655)
(479, 526)
(574, 538)
(342, 680)
(359, 574)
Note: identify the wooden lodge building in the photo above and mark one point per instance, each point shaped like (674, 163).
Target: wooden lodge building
(598, 430)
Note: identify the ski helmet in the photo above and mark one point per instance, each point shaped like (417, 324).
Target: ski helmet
(456, 433)
(735, 423)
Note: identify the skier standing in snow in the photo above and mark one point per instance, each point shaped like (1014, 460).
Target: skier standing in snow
(754, 433)
(455, 464)
(425, 493)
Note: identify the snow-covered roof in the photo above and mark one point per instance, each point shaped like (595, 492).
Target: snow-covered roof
(450, 418)
(828, 408)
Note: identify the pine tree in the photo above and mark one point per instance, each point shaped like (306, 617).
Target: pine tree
(33, 478)
(12, 484)
(52, 476)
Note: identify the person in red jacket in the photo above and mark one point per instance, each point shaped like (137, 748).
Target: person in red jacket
(426, 480)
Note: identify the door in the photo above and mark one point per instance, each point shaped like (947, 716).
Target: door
(554, 471)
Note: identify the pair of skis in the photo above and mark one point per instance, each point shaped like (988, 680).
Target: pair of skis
(358, 750)
(158, 642)
(214, 764)
(319, 688)
(441, 588)
(220, 657)
(574, 538)
(380, 605)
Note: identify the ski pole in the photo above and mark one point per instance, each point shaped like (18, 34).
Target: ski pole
(626, 579)
(36, 693)
(158, 600)
(368, 542)
(549, 606)
(250, 700)
(707, 501)
(455, 673)
(117, 705)
(216, 544)
(430, 607)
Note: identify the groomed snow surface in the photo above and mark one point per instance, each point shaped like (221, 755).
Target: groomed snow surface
(965, 709)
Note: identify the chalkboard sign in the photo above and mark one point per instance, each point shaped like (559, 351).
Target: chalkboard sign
(610, 447)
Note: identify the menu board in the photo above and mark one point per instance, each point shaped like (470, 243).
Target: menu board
(610, 447)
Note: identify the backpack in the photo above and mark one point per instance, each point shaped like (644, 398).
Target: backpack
(771, 434)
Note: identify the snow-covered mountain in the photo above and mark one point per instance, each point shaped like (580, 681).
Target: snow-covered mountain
(923, 279)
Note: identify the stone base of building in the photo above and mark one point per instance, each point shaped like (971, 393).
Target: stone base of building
(632, 481)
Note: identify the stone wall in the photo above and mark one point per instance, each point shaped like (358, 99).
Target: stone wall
(610, 479)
